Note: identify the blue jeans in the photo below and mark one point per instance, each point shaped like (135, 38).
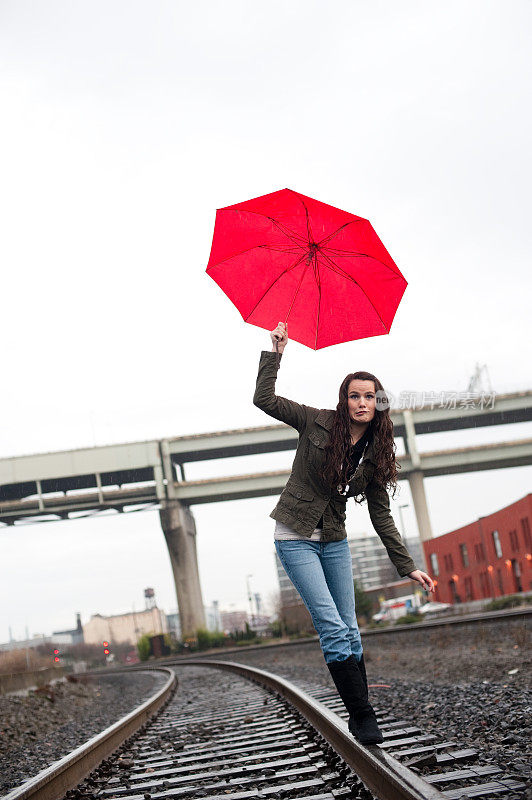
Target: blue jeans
(322, 574)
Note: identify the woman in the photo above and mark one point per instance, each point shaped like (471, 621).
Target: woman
(345, 453)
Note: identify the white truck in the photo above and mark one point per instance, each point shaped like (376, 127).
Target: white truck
(397, 607)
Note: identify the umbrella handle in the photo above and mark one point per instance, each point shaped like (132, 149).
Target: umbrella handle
(277, 360)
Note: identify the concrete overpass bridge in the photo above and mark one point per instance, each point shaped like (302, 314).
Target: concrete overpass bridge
(138, 475)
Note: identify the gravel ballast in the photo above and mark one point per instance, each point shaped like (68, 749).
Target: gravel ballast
(467, 685)
(41, 727)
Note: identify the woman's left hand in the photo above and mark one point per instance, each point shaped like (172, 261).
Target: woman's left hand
(422, 578)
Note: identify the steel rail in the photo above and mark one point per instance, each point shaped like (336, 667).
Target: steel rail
(441, 622)
(387, 778)
(53, 782)
(459, 619)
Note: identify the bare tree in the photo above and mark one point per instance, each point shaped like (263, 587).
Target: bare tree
(276, 606)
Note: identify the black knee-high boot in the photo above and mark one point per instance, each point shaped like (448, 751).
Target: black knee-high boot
(362, 668)
(348, 678)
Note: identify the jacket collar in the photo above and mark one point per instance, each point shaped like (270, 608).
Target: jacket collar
(325, 419)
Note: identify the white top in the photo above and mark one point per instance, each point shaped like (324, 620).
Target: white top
(282, 531)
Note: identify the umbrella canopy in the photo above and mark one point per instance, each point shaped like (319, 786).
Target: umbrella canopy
(285, 256)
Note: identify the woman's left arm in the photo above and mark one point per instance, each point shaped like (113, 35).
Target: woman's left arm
(381, 518)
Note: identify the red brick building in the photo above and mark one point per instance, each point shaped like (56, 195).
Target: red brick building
(487, 558)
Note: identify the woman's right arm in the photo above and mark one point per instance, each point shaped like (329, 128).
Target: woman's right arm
(280, 408)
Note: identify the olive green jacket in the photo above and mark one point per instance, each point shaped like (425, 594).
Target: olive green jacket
(306, 497)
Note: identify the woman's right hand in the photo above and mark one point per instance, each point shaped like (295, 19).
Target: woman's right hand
(279, 335)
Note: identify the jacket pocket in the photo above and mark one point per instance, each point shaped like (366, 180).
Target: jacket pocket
(316, 439)
(296, 500)
(298, 491)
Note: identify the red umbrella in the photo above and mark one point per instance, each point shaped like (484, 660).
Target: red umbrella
(285, 256)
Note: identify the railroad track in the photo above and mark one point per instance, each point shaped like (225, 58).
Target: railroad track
(484, 618)
(442, 763)
(63, 775)
(236, 732)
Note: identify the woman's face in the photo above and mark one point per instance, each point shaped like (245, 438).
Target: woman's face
(361, 401)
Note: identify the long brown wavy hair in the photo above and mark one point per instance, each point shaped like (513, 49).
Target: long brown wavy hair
(337, 467)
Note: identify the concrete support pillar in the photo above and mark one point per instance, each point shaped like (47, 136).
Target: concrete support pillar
(415, 479)
(417, 487)
(179, 531)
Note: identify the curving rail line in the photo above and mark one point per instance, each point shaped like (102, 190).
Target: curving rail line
(383, 775)
(224, 738)
(512, 614)
(52, 783)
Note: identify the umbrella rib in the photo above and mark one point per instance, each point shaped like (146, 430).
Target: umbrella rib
(309, 229)
(337, 252)
(318, 283)
(342, 273)
(247, 250)
(337, 231)
(297, 291)
(282, 227)
(292, 235)
(333, 234)
(280, 248)
(352, 253)
(272, 284)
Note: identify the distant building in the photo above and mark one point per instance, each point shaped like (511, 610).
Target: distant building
(234, 621)
(487, 558)
(125, 627)
(23, 644)
(414, 545)
(372, 567)
(174, 625)
(370, 562)
(74, 636)
(212, 619)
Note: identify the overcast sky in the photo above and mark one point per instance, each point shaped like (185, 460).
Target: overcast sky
(125, 125)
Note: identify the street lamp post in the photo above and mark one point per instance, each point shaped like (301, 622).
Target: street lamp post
(404, 505)
(250, 600)
(403, 534)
